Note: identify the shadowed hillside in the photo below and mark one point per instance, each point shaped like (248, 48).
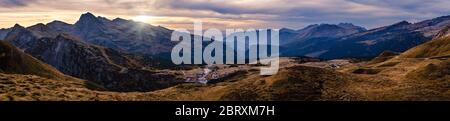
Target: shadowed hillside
(13, 60)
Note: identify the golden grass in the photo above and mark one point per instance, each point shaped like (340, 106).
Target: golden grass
(434, 48)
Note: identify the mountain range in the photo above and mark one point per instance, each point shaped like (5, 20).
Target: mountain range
(326, 41)
(119, 34)
(113, 69)
(421, 73)
(360, 43)
(60, 61)
(289, 36)
(314, 39)
(120, 54)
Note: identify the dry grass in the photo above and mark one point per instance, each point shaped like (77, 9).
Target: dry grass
(434, 48)
(291, 83)
(15, 61)
(386, 78)
(14, 87)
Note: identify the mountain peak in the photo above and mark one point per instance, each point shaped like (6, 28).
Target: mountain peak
(88, 14)
(57, 22)
(18, 26)
(39, 27)
(119, 20)
(87, 18)
(88, 22)
(341, 25)
(351, 26)
(287, 30)
(399, 25)
(17, 29)
(92, 18)
(402, 23)
(346, 24)
(311, 26)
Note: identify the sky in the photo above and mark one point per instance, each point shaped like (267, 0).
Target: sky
(294, 14)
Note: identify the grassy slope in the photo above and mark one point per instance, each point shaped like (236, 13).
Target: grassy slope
(291, 83)
(421, 73)
(16, 87)
(434, 48)
(14, 61)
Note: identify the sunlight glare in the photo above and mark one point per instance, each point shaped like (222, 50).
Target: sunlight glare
(142, 18)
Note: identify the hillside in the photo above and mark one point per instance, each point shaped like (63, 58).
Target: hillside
(13, 60)
(421, 73)
(293, 82)
(412, 79)
(435, 48)
(18, 87)
(24, 78)
(114, 70)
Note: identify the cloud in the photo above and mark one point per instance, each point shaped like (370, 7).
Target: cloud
(370, 13)
(283, 11)
(248, 13)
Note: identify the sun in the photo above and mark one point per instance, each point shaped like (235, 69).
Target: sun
(142, 18)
